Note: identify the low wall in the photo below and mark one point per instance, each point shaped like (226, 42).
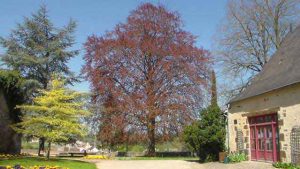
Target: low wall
(158, 154)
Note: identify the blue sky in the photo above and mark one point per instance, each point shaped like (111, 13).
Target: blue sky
(201, 18)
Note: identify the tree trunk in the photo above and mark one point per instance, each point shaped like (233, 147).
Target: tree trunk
(41, 146)
(126, 146)
(49, 149)
(42, 140)
(151, 137)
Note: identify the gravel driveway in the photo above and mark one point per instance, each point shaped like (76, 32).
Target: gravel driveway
(177, 164)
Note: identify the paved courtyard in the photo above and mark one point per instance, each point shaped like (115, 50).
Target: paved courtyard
(177, 164)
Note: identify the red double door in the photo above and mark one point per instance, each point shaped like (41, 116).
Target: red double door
(264, 138)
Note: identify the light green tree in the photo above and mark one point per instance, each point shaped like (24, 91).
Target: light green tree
(54, 115)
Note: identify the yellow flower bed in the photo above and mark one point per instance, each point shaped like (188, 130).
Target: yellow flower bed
(13, 156)
(100, 157)
(5, 156)
(34, 167)
(47, 167)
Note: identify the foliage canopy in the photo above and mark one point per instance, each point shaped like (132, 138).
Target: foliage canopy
(207, 135)
(151, 68)
(13, 86)
(37, 49)
(54, 115)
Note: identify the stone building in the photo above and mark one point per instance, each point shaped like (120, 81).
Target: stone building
(264, 119)
(10, 96)
(10, 141)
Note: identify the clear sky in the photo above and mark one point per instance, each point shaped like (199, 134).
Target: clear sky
(201, 18)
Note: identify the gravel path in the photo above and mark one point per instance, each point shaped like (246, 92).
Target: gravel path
(176, 164)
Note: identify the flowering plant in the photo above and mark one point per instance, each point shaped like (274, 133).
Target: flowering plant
(6, 156)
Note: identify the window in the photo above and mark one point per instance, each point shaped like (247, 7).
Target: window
(240, 140)
(269, 118)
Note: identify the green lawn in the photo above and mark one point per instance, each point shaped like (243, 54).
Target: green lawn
(31, 161)
(157, 158)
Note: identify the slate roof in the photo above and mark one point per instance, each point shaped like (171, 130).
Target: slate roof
(283, 69)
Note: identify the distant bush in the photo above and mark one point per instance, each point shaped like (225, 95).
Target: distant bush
(174, 154)
(132, 148)
(176, 144)
(30, 145)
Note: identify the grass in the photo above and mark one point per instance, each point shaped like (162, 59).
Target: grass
(32, 161)
(158, 158)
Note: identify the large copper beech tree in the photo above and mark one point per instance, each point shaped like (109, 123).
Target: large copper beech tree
(152, 69)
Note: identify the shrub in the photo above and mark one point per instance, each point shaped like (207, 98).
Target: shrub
(207, 136)
(237, 157)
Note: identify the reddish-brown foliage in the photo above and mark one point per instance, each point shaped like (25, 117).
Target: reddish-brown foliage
(152, 69)
(112, 124)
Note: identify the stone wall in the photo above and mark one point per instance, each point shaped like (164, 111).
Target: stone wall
(237, 123)
(10, 141)
(284, 101)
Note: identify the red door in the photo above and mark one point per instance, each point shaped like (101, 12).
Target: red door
(264, 138)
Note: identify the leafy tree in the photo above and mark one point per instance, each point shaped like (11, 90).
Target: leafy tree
(54, 115)
(207, 135)
(251, 33)
(37, 49)
(152, 68)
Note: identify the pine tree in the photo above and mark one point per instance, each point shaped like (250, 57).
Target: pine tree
(54, 115)
(37, 49)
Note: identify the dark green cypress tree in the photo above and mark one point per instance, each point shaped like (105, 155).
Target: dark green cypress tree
(207, 135)
(214, 96)
(37, 49)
